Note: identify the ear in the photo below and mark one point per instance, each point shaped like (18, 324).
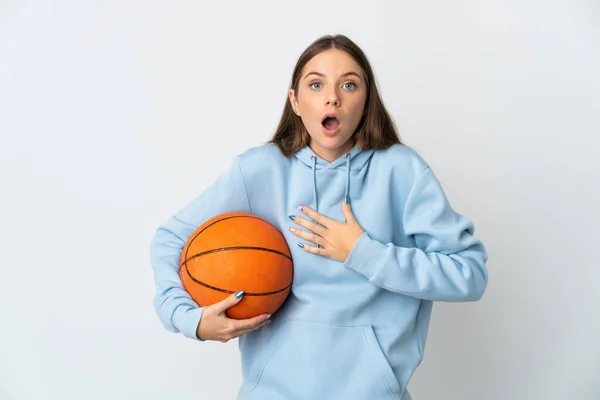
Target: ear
(294, 101)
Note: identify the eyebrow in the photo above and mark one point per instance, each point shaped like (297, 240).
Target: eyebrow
(323, 75)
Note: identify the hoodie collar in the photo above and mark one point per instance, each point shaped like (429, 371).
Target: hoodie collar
(359, 158)
(354, 160)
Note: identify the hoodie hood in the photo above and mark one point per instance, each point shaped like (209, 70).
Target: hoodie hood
(354, 160)
(373, 308)
(358, 158)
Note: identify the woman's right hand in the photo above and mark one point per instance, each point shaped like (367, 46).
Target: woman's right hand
(216, 325)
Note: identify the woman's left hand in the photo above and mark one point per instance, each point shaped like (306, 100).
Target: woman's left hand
(336, 239)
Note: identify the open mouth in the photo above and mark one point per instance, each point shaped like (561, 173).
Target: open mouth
(330, 122)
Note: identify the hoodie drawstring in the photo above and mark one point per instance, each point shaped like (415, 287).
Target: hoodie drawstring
(347, 176)
(314, 170)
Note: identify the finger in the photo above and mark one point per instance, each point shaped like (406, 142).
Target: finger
(229, 301)
(244, 331)
(238, 334)
(311, 237)
(347, 211)
(311, 226)
(238, 325)
(314, 249)
(315, 216)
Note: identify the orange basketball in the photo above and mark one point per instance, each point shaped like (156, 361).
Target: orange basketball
(237, 251)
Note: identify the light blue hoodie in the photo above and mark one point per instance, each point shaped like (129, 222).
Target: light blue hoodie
(348, 330)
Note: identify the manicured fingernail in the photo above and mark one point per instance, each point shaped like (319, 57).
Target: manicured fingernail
(300, 208)
(268, 322)
(292, 217)
(301, 244)
(239, 294)
(292, 229)
(347, 199)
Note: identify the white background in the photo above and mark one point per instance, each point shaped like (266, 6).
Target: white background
(115, 114)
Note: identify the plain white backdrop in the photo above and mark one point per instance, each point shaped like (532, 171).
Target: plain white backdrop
(115, 114)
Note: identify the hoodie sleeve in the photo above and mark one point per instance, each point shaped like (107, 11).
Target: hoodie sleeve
(447, 262)
(174, 306)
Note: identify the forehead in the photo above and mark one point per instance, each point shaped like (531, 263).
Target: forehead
(332, 62)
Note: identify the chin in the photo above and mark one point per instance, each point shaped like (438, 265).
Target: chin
(328, 143)
(333, 142)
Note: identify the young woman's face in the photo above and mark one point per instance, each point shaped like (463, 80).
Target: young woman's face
(331, 83)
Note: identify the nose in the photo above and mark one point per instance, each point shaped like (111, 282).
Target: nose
(332, 98)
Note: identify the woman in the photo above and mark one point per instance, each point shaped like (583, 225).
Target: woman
(373, 238)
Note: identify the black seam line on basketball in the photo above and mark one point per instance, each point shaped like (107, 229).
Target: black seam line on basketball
(231, 291)
(237, 248)
(217, 221)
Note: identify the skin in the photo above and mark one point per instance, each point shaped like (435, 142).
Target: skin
(337, 239)
(330, 82)
(215, 325)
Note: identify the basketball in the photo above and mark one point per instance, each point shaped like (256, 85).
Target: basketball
(237, 251)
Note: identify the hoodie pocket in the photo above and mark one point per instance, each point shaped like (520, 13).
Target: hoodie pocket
(314, 360)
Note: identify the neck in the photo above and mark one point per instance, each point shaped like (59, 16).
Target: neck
(330, 155)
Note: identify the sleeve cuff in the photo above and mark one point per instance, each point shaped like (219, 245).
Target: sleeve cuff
(364, 255)
(186, 320)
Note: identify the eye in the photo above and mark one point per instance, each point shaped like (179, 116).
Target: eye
(352, 85)
(315, 83)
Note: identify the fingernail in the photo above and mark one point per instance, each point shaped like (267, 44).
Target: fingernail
(268, 322)
(347, 199)
(292, 217)
(301, 208)
(301, 244)
(239, 294)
